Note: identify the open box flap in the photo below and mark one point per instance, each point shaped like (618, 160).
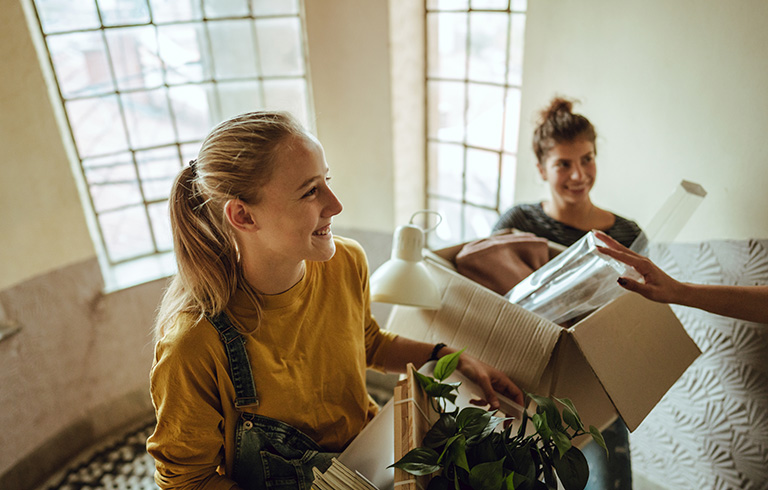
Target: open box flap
(493, 330)
(638, 349)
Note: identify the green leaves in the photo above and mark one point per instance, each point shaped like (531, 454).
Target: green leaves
(487, 476)
(598, 438)
(419, 461)
(446, 365)
(473, 453)
(572, 469)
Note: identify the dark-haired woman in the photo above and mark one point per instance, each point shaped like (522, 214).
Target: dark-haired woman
(564, 144)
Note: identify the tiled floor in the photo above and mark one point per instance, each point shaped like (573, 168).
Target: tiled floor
(123, 463)
(119, 464)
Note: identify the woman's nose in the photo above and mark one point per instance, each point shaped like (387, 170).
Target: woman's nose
(333, 206)
(577, 172)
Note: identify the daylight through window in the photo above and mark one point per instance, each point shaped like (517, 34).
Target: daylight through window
(142, 82)
(474, 76)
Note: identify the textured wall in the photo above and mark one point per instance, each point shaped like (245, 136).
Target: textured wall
(711, 429)
(76, 371)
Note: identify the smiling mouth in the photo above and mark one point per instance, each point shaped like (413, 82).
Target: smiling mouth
(326, 230)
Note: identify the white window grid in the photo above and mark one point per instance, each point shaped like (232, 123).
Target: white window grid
(141, 82)
(473, 84)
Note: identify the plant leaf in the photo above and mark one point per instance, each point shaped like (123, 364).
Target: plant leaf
(446, 365)
(509, 481)
(570, 415)
(471, 421)
(439, 482)
(598, 438)
(562, 442)
(441, 431)
(419, 461)
(572, 469)
(424, 381)
(546, 405)
(456, 453)
(441, 390)
(487, 476)
(542, 427)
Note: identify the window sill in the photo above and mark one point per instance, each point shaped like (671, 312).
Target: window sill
(139, 271)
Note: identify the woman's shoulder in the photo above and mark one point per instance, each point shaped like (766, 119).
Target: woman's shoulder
(518, 216)
(624, 230)
(189, 336)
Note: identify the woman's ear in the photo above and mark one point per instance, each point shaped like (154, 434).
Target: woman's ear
(239, 215)
(542, 171)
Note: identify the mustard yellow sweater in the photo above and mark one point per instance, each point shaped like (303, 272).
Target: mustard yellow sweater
(308, 357)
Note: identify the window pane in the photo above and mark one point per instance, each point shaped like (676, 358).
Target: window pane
(490, 4)
(97, 126)
(271, 7)
(482, 177)
(184, 52)
(122, 12)
(447, 45)
(516, 45)
(485, 116)
(287, 95)
(134, 56)
(446, 169)
(284, 58)
(67, 15)
(112, 181)
(81, 65)
(448, 232)
(148, 118)
(445, 111)
(225, 8)
(239, 97)
(507, 184)
(192, 112)
(478, 222)
(520, 5)
(161, 225)
(190, 151)
(175, 10)
(126, 233)
(232, 41)
(488, 46)
(512, 120)
(157, 169)
(448, 4)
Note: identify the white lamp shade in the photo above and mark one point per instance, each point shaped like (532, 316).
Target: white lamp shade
(404, 279)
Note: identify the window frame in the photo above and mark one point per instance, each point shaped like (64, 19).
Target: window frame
(120, 273)
(462, 202)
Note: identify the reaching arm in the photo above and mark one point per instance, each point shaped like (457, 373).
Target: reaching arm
(491, 380)
(748, 303)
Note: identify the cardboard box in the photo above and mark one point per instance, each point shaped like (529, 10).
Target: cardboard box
(620, 359)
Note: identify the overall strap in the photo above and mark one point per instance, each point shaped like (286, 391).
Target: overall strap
(239, 364)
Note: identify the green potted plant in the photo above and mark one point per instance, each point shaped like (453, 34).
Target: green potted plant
(463, 449)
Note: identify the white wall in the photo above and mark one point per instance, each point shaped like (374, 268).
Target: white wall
(349, 62)
(41, 220)
(676, 89)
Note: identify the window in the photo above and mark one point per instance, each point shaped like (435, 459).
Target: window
(474, 76)
(141, 83)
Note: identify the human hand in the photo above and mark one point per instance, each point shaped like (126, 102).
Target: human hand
(658, 285)
(490, 380)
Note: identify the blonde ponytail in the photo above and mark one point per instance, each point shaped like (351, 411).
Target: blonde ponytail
(235, 161)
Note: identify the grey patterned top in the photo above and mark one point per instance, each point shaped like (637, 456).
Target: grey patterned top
(533, 219)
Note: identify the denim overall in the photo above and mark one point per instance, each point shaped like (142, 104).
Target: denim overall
(269, 454)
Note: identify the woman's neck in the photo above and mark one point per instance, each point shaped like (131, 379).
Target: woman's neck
(272, 278)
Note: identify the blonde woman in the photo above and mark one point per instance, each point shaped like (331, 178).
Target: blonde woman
(265, 333)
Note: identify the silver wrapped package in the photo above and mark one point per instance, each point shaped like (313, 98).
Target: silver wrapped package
(579, 280)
